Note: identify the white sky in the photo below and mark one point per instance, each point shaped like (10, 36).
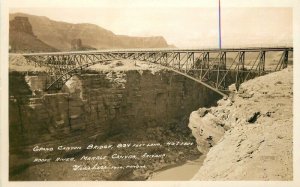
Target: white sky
(185, 27)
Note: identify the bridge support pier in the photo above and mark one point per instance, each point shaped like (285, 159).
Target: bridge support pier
(285, 59)
(221, 70)
(283, 62)
(240, 69)
(262, 59)
(204, 65)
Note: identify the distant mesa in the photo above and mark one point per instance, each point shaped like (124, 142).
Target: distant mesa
(53, 35)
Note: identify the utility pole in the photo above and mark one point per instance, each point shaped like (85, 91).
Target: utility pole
(220, 33)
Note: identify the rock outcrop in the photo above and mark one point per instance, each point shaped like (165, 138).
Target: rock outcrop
(76, 45)
(248, 136)
(21, 24)
(22, 38)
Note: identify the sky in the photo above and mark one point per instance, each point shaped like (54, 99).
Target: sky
(185, 27)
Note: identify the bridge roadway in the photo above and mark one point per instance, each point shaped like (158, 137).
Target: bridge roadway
(216, 69)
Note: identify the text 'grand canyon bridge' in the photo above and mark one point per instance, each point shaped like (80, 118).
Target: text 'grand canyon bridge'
(213, 68)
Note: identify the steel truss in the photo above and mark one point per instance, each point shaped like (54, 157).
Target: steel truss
(211, 67)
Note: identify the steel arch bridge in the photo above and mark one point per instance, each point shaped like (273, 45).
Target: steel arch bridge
(213, 68)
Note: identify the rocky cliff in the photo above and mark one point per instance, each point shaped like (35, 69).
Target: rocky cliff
(248, 136)
(113, 105)
(60, 35)
(22, 38)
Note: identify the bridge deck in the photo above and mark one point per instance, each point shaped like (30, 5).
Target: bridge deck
(248, 49)
(211, 67)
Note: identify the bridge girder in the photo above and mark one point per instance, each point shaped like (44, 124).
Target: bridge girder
(207, 66)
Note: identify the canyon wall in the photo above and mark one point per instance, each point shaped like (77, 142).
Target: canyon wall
(96, 107)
